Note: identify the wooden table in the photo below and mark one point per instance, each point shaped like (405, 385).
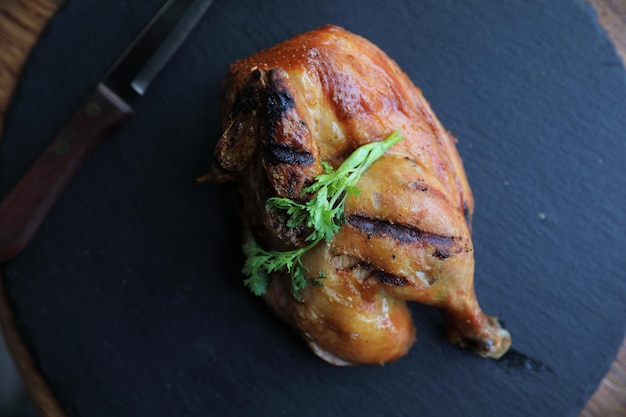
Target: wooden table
(21, 23)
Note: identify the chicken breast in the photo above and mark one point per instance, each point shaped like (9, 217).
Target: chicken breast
(317, 97)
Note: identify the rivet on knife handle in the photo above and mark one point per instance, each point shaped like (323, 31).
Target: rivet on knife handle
(25, 206)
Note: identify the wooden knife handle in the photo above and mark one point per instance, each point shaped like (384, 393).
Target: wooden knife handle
(26, 205)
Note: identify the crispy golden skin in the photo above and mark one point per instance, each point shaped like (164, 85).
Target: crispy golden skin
(317, 97)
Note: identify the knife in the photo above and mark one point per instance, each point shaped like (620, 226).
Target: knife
(26, 205)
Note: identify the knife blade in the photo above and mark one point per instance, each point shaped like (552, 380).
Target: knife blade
(25, 206)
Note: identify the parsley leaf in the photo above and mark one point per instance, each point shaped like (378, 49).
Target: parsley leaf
(323, 215)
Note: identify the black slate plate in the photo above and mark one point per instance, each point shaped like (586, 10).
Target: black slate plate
(130, 304)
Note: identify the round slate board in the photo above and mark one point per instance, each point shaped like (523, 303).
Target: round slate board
(130, 296)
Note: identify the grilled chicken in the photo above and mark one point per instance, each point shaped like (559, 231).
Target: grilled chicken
(317, 97)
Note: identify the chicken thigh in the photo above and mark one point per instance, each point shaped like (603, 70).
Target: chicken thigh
(406, 237)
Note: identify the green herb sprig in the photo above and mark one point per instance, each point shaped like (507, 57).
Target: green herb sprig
(323, 215)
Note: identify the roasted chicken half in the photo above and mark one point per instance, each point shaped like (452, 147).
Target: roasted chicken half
(317, 97)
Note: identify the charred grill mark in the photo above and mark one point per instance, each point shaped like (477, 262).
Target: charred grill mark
(404, 234)
(280, 123)
(383, 277)
(390, 279)
(247, 100)
(443, 245)
(279, 101)
(441, 253)
(279, 154)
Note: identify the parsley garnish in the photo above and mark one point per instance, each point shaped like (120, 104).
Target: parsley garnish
(323, 215)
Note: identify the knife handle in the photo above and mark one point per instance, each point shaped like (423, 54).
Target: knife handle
(26, 205)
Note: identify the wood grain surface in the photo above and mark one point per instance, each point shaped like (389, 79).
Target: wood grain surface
(21, 23)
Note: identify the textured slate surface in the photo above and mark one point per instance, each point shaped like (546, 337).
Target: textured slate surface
(131, 306)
